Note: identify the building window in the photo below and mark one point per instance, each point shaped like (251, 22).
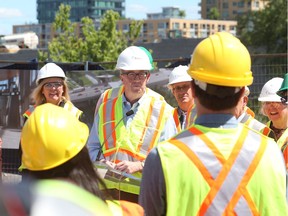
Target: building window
(241, 4)
(150, 26)
(176, 26)
(161, 25)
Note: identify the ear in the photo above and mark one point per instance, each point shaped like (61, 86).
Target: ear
(148, 77)
(193, 89)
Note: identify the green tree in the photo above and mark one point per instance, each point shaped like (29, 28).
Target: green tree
(134, 31)
(266, 28)
(96, 46)
(213, 14)
(182, 13)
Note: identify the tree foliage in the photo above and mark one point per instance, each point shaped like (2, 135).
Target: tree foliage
(182, 13)
(266, 28)
(213, 14)
(100, 45)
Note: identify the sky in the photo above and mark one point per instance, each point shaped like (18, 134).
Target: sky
(20, 12)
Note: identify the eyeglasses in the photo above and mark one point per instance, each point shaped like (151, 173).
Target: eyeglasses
(133, 75)
(181, 88)
(51, 85)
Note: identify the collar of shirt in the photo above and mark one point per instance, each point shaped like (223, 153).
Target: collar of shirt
(217, 120)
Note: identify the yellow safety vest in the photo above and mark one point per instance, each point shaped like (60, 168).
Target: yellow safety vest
(133, 143)
(67, 106)
(207, 181)
(66, 192)
(255, 125)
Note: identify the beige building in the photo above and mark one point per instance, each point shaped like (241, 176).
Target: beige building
(154, 30)
(229, 9)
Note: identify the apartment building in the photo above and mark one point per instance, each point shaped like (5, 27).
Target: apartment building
(154, 30)
(93, 9)
(230, 9)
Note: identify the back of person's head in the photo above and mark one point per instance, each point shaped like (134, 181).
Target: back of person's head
(134, 58)
(179, 74)
(220, 67)
(53, 144)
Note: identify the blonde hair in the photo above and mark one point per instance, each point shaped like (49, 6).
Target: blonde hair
(38, 98)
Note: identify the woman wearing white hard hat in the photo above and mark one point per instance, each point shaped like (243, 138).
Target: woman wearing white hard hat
(51, 87)
(276, 111)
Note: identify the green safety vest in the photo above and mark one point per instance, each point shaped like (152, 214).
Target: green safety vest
(199, 161)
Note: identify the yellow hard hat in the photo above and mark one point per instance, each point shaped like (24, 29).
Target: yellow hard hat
(50, 137)
(221, 59)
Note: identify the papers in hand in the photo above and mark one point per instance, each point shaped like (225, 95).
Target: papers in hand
(107, 172)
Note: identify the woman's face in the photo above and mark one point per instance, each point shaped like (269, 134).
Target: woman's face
(275, 111)
(53, 89)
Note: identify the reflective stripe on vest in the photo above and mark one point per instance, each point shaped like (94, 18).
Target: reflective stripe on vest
(112, 93)
(176, 119)
(255, 125)
(28, 112)
(191, 116)
(227, 179)
(134, 143)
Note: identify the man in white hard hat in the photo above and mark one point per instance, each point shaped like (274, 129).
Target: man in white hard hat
(180, 86)
(246, 116)
(130, 120)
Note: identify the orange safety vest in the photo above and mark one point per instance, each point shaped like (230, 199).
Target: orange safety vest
(134, 143)
(227, 178)
(176, 119)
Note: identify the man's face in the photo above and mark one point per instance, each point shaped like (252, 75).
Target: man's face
(135, 81)
(183, 94)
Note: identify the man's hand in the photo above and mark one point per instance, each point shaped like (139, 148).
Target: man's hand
(129, 166)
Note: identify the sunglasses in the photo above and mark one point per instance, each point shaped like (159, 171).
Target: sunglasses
(51, 85)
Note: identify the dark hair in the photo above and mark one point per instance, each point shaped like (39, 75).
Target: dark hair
(224, 97)
(79, 170)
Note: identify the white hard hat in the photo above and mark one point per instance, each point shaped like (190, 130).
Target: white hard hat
(179, 74)
(133, 58)
(268, 92)
(50, 70)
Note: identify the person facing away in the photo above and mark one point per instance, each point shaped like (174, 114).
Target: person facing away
(55, 152)
(132, 123)
(180, 86)
(246, 116)
(217, 166)
(276, 111)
